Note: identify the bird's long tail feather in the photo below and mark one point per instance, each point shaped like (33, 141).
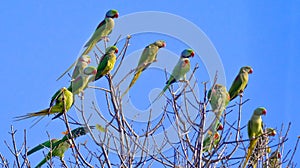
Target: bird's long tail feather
(66, 71)
(89, 47)
(30, 115)
(136, 76)
(42, 162)
(250, 150)
(161, 93)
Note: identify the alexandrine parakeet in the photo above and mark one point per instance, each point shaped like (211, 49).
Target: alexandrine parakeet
(59, 150)
(81, 81)
(148, 56)
(107, 62)
(59, 147)
(218, 98)
(77, 132)
(179, 72)
(61, 102)
(103, 29)
(240, 82)
(255, 129)
(82, 62)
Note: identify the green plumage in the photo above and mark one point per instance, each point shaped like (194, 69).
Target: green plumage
(59, 151)
(107, 62)
(61, 101)
(148, 56)
(261, 149)
(58, 147)
(218, 98)
(82, 62)
(255, 129)
(179, 72)
(240, 82)
(103, 29)
(80, 83)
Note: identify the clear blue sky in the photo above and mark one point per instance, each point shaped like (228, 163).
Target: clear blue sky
(40, 39)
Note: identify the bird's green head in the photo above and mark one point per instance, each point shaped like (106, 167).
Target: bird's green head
(90, 70)
(112, 14)
(187, 53)
(260, 111)
(80, 131)
(271, 131)
(160, 43)
(85, 58)
(112, 49)
(246, 69)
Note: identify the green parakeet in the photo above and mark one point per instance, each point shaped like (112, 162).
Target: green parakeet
(107, 62)
(240, 82)
(274, 160)
(57, 148)
(148, 56)
(179, 72)
(81, 82)
(261, 149)
(77, 132)
(212, 139)
(255, 129)
(82, 62)
(61, 101)
(102, 30)
(218, 99)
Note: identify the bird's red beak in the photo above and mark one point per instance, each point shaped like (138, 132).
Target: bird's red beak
(116, 15)
(116, 51)
(264, 112)
(192, 54)
(279, 155)
(164, 45)
(251, 71)
(216, 136)
(273, 134)
(220, 127)
(94, 72)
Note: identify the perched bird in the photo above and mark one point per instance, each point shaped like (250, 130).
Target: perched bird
(59, 150)
(261, 149)
(80, 83)
(240, 82)
(58, 147)
(212, 139)
(77, 132)
(82, 62)
(107, 62)
(148, 56)
(61, 102)
(255, 129)
(179, 72)
(218, 98)
(274, 160)
(103, 30)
